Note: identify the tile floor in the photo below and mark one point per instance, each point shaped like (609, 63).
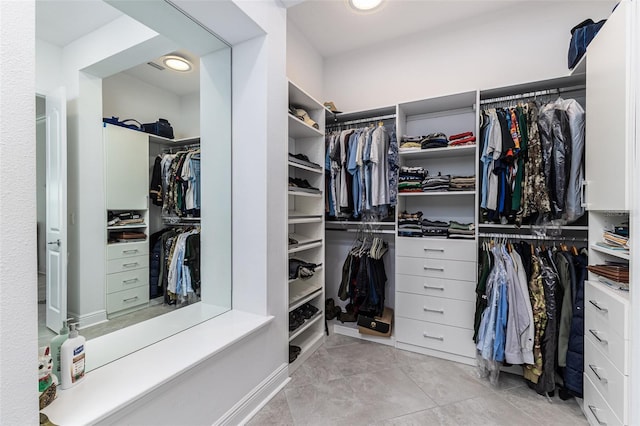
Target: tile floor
(351, 382)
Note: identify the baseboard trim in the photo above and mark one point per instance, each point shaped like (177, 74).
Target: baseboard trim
(87, 320)
(248, 406)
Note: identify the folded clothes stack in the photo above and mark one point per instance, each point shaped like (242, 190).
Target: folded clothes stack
(410, 143)
(437, 183)
(434, 228)
(462, 183)
(460, 139)
(459, 230)
(434, 140)
(410, 179)
(410, 224)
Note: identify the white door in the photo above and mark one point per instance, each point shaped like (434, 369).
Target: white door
(56, 226)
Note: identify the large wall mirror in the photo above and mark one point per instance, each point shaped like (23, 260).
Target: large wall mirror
(134, 228)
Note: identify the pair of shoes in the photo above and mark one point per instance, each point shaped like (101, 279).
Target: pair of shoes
(331, 311)
(292, 241)
(349, 316)
(294, 351)
(295, 320)
(301, 183)
(300, 157)
(307, 310)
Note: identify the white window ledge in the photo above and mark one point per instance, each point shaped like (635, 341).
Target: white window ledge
(113, 386)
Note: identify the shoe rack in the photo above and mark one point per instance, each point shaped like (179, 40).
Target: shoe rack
(305, 224)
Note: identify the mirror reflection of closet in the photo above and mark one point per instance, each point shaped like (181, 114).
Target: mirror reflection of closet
(124, 291)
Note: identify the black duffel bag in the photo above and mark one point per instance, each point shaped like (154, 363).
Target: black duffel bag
(161, 127)
(581, 36)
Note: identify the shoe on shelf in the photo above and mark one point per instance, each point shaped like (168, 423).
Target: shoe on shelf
(294, 351)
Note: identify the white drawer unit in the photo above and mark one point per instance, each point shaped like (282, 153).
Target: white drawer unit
(606, 354)
(127, 299)
(610, 382)
(595, 407)
(437, 287)
(609, 305)
(458, 313)
(449, 269)
(454, 340)
(610, 343)
(127, 280)
(122, 250)
(437, 249)
(127, 264)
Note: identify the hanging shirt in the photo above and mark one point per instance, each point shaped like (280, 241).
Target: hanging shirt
(379, 169)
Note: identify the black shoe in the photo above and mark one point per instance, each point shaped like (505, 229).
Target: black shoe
(329, 309)
(294, 351)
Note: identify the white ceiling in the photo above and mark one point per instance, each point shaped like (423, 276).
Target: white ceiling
(61, 22)
(333, 27)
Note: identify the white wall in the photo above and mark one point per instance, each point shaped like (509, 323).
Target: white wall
(18, 315)
(524, 42)
(190, 115)
(48, 67)
(126, 96)
(304, 63)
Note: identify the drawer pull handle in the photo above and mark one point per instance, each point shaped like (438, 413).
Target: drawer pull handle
(132, 280)
(433, 287)
(593, 410)
(129, 265)
(129, 251)
(598, 307)
(594, 369)
(598, 338)
(433, 337)
(430, 268)
(434, 249)
(438, 311)
(131, 299)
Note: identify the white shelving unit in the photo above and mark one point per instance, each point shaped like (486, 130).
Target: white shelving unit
(306, 222)
(451, 262)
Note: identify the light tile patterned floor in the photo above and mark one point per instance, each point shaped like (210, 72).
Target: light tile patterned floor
(351, 382)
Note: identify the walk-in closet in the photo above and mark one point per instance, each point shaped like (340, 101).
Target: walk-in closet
(502, 249)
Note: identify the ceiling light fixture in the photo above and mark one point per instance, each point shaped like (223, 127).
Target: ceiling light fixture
(177, 63)
(365, 5)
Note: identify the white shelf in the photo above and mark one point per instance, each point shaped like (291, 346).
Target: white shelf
(299, 294)
(300, 129)
(454, 151)
(353, 223)
(351, 329)
(173, 142)
(435, 193)
(303, 167)
(319, 268)
(439, 104)
(302, 247)
(308, 345)
(306, 325)
(305, 194)
(130, 226)
(436, 239)
(621, 254)
(302, 99)
(296, 218)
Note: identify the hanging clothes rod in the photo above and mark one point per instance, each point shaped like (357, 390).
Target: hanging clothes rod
(176, 148)
(528, 95)
(531, 237)
(362, 120)
(373, 231)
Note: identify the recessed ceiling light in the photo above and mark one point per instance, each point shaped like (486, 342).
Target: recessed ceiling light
(365, 5)
(177, 63)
